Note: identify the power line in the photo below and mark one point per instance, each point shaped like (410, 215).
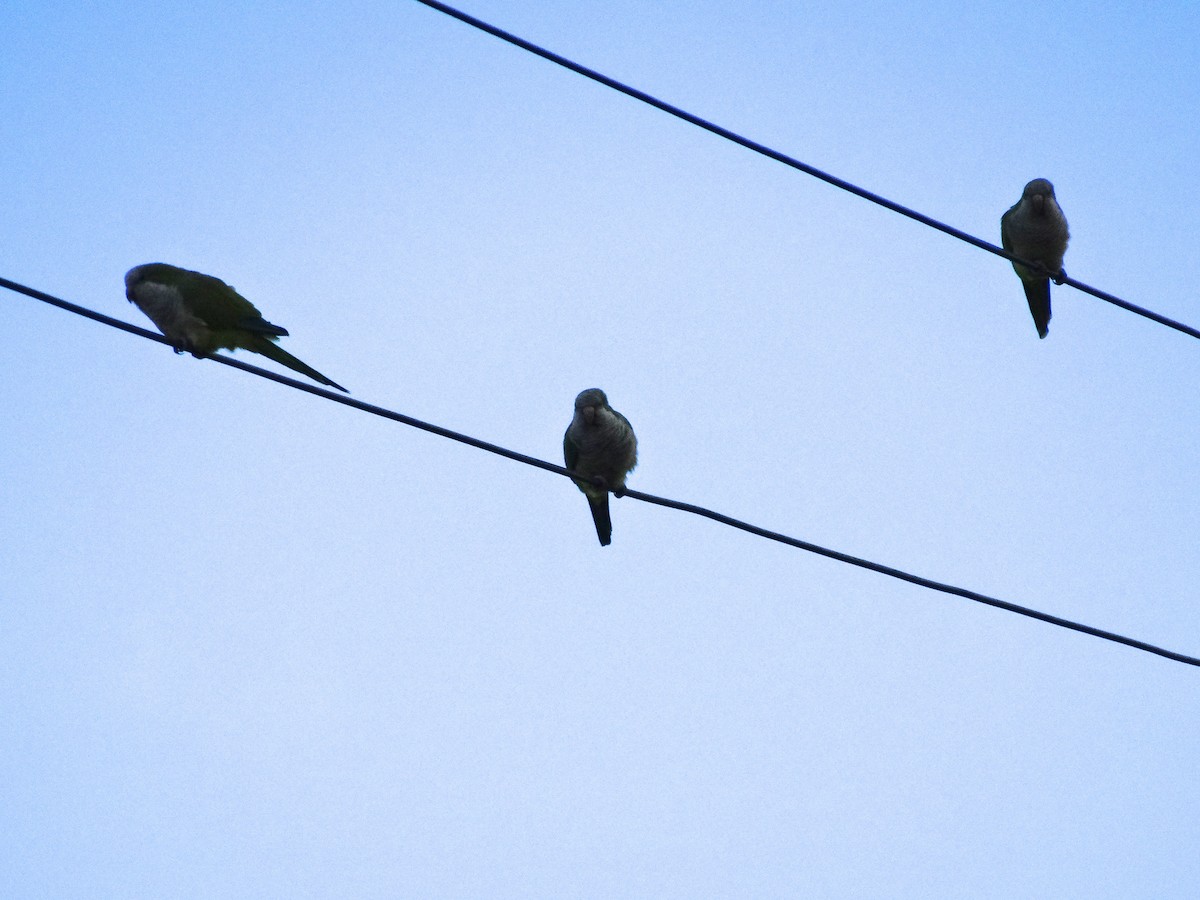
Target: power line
(914, 579)
(794, 163)
(636, 495)
(290, 382)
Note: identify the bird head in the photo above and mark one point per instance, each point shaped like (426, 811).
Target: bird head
(588, 402)
(1037, 192)
(133, 278)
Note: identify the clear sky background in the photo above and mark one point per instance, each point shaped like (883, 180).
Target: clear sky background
(261, 645)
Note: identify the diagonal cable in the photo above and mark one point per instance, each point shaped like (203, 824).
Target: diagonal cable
(791, 161)
(636, 495)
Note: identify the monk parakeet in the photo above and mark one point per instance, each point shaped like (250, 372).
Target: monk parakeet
(599, 441)
(1036, 229)
(202, 314)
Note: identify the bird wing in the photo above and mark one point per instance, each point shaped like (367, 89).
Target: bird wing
(221, 307)
(570, 451)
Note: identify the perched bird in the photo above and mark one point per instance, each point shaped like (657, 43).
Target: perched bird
(599, 441)
(202, 314)
(1036, 229)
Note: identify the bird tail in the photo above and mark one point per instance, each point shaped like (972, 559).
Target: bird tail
(269, 348)
(1038, 294)
(600, 515)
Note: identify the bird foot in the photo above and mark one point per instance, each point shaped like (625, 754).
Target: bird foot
(1044, 271)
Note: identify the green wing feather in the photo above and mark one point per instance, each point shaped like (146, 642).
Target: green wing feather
(225, 311)
(570, 452)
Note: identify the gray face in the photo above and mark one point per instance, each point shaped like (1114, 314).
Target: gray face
(133, 278)
(591, 397)
(1039, 186)
(1037, 191)
(588, 403)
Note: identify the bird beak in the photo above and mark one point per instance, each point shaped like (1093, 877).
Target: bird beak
(589, 414)
(1039, 203)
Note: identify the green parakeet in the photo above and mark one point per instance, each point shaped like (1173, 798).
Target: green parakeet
(202, 314)
(599, 441)
(1036, 229)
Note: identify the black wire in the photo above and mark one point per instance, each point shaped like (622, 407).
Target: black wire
(290, 382)
(636, 495)
(1125, 304)
(913, 579)
(788, 160)
(84, 311)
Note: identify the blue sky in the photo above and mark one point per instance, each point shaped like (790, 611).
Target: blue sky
(258, 644)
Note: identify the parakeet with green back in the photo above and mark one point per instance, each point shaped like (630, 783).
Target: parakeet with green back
(1036, 229)
(201, 314)
(599, 441)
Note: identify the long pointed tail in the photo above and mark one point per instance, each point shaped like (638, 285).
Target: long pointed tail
(1038, 294)
(599, 507)
(269, 348)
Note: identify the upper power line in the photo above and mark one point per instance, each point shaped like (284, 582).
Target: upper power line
(382, 412)
(792, 161)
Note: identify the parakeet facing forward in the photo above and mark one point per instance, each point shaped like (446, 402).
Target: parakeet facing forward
(599, 441)
(1036, 229)
(202, 314)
